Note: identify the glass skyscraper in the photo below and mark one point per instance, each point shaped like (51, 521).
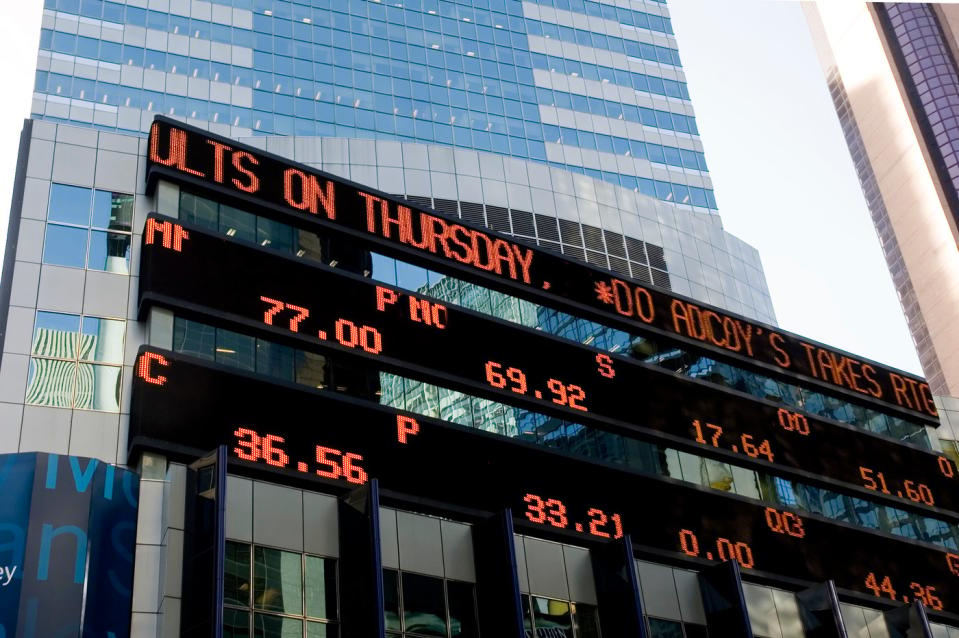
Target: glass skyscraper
(591, 87)
(583, 104)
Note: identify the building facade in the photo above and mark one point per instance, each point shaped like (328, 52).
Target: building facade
(892, 73)
(564, 128)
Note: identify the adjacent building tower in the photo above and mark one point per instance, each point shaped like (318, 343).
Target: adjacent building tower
(893, 75)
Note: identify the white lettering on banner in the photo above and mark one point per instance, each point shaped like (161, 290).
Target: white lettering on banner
(6, 574)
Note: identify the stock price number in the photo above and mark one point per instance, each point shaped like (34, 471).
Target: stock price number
(329, 462)
(882, 587)
(553, 512)
(720, 549)
(914, 491)
(514, 379)
(709, 434)
(344, 331)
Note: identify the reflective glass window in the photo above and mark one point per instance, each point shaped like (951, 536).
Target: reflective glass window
(65, 246)
(194, 338)
(235, 350)
(549, 613)
(277, 582)
(57, 379)
(112, 211)
(321, 587)
(270, 626)
(55, 335)
(101, 340)
(321, 630)
(659, 628)
(391, 600)
(236, 588)
(462, 607)
(69, 204)
(109, 252)
(424, 605)
(50, 383)
(236, 623)
(98, 387)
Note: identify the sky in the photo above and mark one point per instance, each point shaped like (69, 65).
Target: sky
(783, 177)
(780, 167)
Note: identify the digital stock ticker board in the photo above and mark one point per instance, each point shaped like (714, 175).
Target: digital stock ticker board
(303, 196)
(316, 307)
(185, 406)
(298, 431)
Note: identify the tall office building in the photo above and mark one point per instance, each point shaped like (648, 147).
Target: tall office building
(893, 76)
(469, 250)
(508, 103)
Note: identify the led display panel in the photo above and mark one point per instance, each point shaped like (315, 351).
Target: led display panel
(185, 407)
(295, 193)
(317, 307)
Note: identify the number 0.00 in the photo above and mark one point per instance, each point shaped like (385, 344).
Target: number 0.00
(366, 337)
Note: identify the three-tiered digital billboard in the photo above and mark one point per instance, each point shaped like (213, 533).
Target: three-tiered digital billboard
(185, 405)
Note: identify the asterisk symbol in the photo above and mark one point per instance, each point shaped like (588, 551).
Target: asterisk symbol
(604, 292)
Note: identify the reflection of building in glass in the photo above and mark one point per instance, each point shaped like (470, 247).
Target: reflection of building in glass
(424, 398)
(62, 373)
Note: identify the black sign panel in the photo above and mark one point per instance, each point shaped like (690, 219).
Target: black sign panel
(296, 193)
(184, 405)
(317, 307)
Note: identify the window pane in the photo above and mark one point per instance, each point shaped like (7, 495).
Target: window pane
(55, 335)
(236, 223)
(278, 582)
(321, 630)
(206, 213)
(462, 609)
(274, 235)
(552, 613)
(65, 246)
(665, 629)
(391, 600)
(51, 382)
(236, 623)
(320, 587)
(309, 246)
(98, 387)
(194, 338)
(197, 210)
(586, 620)
(274, 360)
(236, 350)
(236, 585)
(102, 340)
(424, 607)
(113, 211)
(109, 252)
(69, 204)
(527, 615)
(311, 369)
(266, 626)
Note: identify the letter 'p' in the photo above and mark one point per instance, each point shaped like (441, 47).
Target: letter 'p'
(405, 427)
(385, 296)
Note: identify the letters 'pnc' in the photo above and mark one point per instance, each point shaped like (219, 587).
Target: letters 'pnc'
(67, 539)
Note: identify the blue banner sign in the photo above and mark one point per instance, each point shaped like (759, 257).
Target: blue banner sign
(67, 540)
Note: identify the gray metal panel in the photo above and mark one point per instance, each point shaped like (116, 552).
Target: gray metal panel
(547, 569)
(13, 229)
(419, 540)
